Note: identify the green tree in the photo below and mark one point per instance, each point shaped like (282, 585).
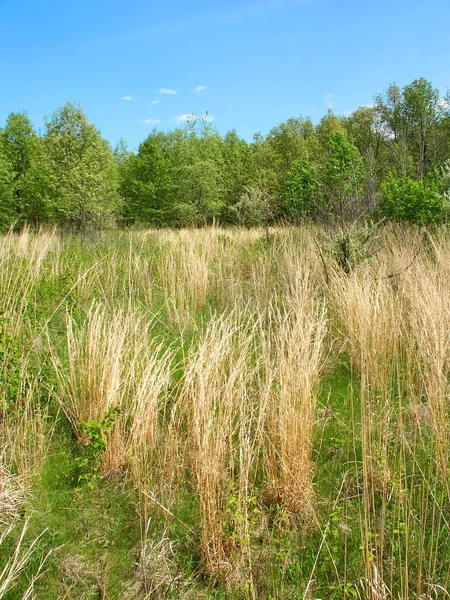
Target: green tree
(343, 176)
(121, 152)
(422, 112)
(329, 125)
(146, 185)
(390, 115)
(8, 214)
(37, 186)
(22, 148)
(287, 142)
(302, 192)
(415, 124)
(238, 170)
(85, 183)
(197, 173)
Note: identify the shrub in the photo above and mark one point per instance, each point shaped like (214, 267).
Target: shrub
(418, 202)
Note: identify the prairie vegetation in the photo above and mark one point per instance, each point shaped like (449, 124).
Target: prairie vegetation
(225, 414)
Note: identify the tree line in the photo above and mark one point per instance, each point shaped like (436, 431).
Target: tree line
(391, 159)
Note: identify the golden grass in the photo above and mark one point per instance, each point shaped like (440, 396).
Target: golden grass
(227, 410)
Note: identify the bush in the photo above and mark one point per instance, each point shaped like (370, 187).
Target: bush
(418, 202)
(253, 208)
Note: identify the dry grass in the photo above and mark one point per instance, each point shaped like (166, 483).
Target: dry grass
(216, 399)
(226, 411)
(296, 354)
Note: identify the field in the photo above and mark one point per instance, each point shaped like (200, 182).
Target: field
(220, 413)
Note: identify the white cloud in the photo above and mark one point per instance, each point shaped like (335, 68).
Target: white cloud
(347, 113)
(192, 116)
(150, 121)
(153, 102)
(162, 91)
(184, 118)
(129, 98)
(328, 101)
(199, 89)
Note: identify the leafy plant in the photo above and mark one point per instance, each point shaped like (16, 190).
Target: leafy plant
(96, 443)
(419, 202)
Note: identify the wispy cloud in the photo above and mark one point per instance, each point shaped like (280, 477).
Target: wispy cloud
(192, 116)
(150, 121)
(163, 91)
(199, 89)
(129, 98)
(153, 102)
(207, 20)
(328, 101)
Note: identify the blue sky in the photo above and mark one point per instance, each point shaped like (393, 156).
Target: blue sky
(250, 64)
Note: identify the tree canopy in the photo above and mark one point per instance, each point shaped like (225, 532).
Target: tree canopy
(340, 169)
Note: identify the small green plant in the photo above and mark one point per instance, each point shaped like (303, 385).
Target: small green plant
(95, 433)
(238, 513)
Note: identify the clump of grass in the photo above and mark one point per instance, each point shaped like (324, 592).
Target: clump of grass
(12, 496)
(18, 561)
(157, 574)
(296, 354)
(184, 271)
(216, 400)
(113, 365)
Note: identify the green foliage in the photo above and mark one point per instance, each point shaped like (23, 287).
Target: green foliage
(192, 176)
(302, 191)
(242, 515)
(198, 192)
(8, 213)
(33, 176)
(329, 125)
(253, 208)
(418, 202)
(343, 177)
(89, 462)
(238, 170)
(10, 359)
(85, 184)
(413, 126)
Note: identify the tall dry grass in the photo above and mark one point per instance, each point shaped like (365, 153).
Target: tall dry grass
(295, 355)
(114, 364)
(222, 432)
(226, 411)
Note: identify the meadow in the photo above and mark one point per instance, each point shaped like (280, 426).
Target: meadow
(225, 413)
